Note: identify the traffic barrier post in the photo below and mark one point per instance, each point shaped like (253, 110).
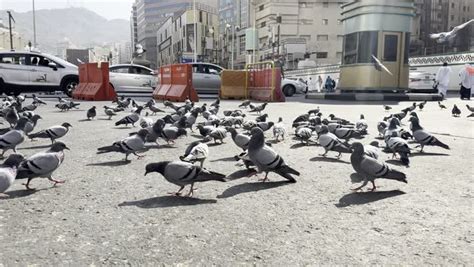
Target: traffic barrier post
(264, 82)
(94, 83)
(233, 84)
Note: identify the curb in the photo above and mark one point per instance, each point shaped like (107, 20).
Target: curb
(374, 97)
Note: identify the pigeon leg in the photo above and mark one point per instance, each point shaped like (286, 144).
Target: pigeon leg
(138, 156)
(126, 157)
(360, 187)
(394, 155)
(373, 187)
(191, 191)
(28, 184)
(325, 153)
(339, 156)
(265, 178)
(56, 181)
(177, 193)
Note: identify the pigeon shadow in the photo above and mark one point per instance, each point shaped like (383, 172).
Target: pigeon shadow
(250, 187)
(166, 146)
(166, 202)
(366, 197)
(224, 159)
(103, 119)
(84, 120)
(197, 136)
(240, 174)
(427, 154)
(216, 144)
(18, 194)
(395, 162)
(34, 147)
(379, 138)
(299, 145)
(111, 163)
(331, 160)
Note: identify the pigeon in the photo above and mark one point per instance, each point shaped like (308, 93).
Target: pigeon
(216, 103)
(423, 137)
(259, 108)
(31, 123)
(266, 159)
(369, 169)
(154, 109)
(471, 109)
(217, 134)
(301, 118)
(38, 100)
(444, 37)
(14, 137)
(197, 151)
(114, 109)
(8, 171)
(304, 134)
(245, 104)
(127, 146)
(399, 145)
(154, 132)
(330, 142)
(183, 173)
(456, 112)
(205, 130)
(30, 107)
(42, 164)
(63, 106)
(314, 111)
(387, 108)
(381, 126)
(441, 106)
(262, 118)
(372, 150)
(12, 116)
(361, 125)
(410, 108)
(422, 105)
(91, 113)
(109, 112)
(123, 103)
(169, 134)
(52, 133)
(279, 130)
(130, 119)
(265, 126)
(146, 122)
(241, 140)
(346, 133)
(379, 66)
(249, 125)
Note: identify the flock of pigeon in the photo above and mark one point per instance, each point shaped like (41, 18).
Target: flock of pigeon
(333, 134)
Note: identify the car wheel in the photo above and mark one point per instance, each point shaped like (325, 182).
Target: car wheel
(289, 90)
(69, 85)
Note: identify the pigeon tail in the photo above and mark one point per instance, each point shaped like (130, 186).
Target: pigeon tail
(40, 134)
(107, 149)
(207, 175)
(440, 144)
(122, 121)
(396, 175)
(286, 171)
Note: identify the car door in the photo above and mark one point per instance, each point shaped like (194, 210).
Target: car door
(198, 78)
(41, 74)
(214, 80)
(143, 79)
(14, 70)
(120, 79)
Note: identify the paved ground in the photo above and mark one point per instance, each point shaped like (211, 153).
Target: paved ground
(107, 212)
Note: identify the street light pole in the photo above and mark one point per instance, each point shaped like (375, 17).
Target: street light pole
(10, 18)
(195, 32)
(233, 46)
(34, 25)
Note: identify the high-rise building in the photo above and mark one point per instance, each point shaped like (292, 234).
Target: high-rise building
(150, 14)
(133, 26)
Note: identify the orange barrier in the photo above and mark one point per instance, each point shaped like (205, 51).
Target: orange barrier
(233, 84)
(176, 84)
(94, 83)
(264, 82)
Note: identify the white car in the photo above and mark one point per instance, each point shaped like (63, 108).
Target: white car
(421, 81)
(132, 78)
(291, 86)
(25, 71)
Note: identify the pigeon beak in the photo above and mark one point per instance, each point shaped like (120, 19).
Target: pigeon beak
(67, 148)
(146, 173)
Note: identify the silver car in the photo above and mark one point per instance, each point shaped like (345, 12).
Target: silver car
(132, 79)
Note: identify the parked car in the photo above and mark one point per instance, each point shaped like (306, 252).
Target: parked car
(25, 71)
(421, 81)
(132, 78)
(207, 80)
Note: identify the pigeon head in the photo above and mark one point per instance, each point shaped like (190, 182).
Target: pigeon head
(139, 109)
(181, 132)
(67, 125)
(36, 117)
(324, 129)
(93, 107)
(21, 123)
(143, 133)
(394, 122)
(258, 139)
(58, 146)
(374, 143)
(331, 116)
(362, 116)
(414, 114)
(13, 160)
(357, 148)
(156, 167)
(280, 119)
(270, 124)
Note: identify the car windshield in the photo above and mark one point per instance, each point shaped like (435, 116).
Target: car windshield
(60, 61)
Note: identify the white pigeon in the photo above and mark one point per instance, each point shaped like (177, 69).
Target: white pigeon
(129, 145)
(379, 66)
(8, 171)
(196, 152)
(43, 164)
(443, 37)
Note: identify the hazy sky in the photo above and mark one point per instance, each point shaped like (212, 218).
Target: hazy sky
(110, 9)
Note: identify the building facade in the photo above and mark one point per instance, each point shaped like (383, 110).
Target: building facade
(175, 36)
(19, 42)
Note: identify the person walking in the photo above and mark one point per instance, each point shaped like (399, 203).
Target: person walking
(442, 79)
(466, 82)
(320, 84)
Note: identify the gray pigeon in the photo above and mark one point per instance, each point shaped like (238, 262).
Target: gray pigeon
(197, 151)
(109, 112)
(170, 134)
(38, 100)
(53, 132)
(31, 123)
(372, 150)
(245, 104)
(368, 168)
(265, 126)
(127, 146)
(205, 130)
(42, 164)
(330, 142)
(154, 132)
(304, 134)
(12, 116)
(91, 113)
(240, 139)
(217, 134)
(266, 159)
(8, 171)
(183, 173)
(13, 137)
(423, 137)
(399, 145)
(130, 119)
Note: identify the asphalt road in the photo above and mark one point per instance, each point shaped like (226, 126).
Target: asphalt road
(108, 213)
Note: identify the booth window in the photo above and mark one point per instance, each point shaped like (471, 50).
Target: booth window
(407, 48)
(350, 48)
(359, 47)
(390, 48)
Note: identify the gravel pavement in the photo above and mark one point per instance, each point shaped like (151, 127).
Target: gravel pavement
(108, 212)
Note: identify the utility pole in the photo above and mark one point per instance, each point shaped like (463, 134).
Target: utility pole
(278, 20)
(195, 32)
(34, 25)
(10, 18)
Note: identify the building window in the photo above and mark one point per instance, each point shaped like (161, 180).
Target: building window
(322, 55)
(322, 37)
(200, 16)
(261, 7)
(407, 48)
(326, 4)
(263, 24)
(390, 48)
(452, 17)
(464, 8)
(452, 5)
(325, 21)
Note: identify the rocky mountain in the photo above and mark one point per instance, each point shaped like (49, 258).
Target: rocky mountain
(80, 26)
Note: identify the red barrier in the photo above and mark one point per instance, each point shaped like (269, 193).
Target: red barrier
(176, 84)
(94, 83)
(264, 82)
